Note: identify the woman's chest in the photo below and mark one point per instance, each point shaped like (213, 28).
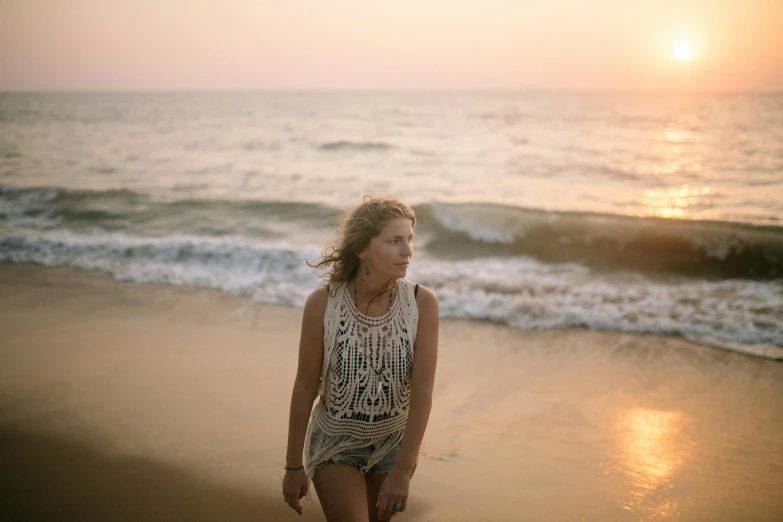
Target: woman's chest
(384, 346)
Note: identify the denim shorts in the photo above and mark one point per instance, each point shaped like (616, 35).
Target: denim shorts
(360, 456)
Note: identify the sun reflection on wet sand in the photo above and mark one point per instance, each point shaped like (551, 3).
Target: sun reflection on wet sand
(650, 450)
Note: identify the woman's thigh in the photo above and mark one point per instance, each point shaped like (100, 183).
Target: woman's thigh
(342, 491)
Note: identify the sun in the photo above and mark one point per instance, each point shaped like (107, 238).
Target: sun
(683, 51)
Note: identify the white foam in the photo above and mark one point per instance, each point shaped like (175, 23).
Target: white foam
(764, 351)
(271, 273)
(519, 292)
(531, 295)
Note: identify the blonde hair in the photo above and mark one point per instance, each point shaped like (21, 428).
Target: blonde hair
(357, 227)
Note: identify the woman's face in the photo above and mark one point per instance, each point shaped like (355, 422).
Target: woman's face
(390, 252)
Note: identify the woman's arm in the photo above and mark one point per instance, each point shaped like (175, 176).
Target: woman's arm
(308, 373)
(425, 358)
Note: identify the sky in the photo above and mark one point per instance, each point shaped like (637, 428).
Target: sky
(615, 45)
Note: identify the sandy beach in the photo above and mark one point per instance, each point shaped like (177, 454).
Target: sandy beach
(126, 401)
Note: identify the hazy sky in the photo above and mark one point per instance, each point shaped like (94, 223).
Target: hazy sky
(391, 44)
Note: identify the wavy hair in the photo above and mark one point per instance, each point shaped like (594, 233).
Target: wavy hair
(356, 228)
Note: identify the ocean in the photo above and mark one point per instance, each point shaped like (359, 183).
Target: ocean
(651, 213)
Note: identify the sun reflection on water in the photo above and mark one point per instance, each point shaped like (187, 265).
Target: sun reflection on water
(677, 201)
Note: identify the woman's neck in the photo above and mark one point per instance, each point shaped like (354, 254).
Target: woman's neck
(368, 289)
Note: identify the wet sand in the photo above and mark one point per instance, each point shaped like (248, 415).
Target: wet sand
(126, 401)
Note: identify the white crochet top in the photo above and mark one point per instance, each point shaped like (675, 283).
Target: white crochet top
(364, 390)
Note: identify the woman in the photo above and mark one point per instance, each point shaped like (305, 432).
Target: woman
(368, 351)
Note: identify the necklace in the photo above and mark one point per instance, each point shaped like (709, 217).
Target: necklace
(384, 340)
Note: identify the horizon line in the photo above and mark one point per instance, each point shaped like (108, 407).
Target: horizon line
(386, 90)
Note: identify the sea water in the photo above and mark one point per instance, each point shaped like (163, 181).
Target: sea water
(647, 212)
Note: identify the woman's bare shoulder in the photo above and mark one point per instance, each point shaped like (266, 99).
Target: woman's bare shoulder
(426, 297)
(319, 297)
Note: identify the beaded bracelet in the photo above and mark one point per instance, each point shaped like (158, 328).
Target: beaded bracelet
(287, 468)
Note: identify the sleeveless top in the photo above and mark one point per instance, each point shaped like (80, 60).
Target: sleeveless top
(364, 390)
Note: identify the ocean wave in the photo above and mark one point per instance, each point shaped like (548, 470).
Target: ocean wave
(354, 145)
(10, 193)
(527, 294)
(136, 213)
(269, 273)
(605, 241)
(261, 145)
(520, 293)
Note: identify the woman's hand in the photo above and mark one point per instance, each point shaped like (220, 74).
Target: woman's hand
(394, 489)
(294, 488)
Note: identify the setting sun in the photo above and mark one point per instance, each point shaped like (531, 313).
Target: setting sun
(683, 51)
